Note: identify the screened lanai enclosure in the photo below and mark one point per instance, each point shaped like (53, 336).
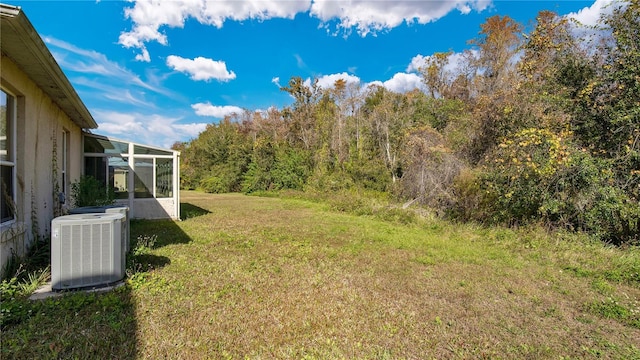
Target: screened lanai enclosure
(144, 178)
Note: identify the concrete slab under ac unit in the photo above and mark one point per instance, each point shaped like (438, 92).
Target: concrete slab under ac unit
(45, 291)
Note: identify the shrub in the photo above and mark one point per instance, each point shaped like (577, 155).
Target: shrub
(613, 217)
(429, 169)
(215, 185)
(509, 187)
(538, 176)
(37, 257)
(329, 180)
(369, 174)
(397, 215)
(256, 179)
(291, 169)
(258, 176)
(222, 179)
(350, 202)
(471, 201)
(582, 196)
(88, 191)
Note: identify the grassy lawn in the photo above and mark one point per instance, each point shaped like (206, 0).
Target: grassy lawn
(263, 278)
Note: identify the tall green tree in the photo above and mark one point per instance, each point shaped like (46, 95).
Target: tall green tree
(217, 159)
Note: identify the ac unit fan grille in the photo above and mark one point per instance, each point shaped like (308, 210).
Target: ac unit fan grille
(88, 248)
(86, 253)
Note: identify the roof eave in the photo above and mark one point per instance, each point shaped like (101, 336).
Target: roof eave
(21, 42)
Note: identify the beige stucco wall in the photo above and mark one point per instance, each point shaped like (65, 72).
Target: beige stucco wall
(39, 133)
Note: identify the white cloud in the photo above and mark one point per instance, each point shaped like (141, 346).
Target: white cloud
(118, 123)
(586, 24)
(276, 81)
(265, 112)
(464, 9)
(455, 62)
(327, 81)
(126, 97)
(148, 16)
(97, 89)
(589, 16)
(299, 61)
(74, 59)
(366, 16)
(150, 129)
(417, 62)
(206, 109)
(403, 82)
(374, 16)
(400, 82)
(143, 56)
(373, 84)
(201, 68)
(458, 60)
(105, 84)
(192, 130)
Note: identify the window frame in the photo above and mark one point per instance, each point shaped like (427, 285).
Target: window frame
(65, 161)
(10, 160)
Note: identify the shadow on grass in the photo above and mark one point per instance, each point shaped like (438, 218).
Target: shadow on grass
(77, 325)
(81, 325)
(152, 261)
(188, 211)
(154, 234)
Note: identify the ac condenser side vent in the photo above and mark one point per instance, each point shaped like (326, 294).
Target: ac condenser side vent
(86, 250)
(125, 224)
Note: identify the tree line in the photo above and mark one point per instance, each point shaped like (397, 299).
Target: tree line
(537, 127)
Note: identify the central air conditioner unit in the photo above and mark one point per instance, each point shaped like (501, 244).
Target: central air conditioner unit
(109, 209)
(87, 250)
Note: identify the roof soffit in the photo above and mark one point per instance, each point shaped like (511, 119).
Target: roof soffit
(20, 42)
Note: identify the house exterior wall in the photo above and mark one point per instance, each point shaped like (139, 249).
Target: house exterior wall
(40, 126)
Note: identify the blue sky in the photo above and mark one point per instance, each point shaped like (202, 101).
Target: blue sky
(157, 72)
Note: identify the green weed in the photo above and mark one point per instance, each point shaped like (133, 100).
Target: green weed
(612, 308)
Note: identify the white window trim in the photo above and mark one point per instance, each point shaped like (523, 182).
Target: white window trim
(12, 134)
(65, 161)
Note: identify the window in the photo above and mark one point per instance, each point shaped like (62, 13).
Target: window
(119, 176)
(7, 156)
(97, 167)
(143, 178)
(143, 150)
(148, 170)
(98, 145)
(164, 178)
(131, 171)
(65, 161)
(111, 171)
